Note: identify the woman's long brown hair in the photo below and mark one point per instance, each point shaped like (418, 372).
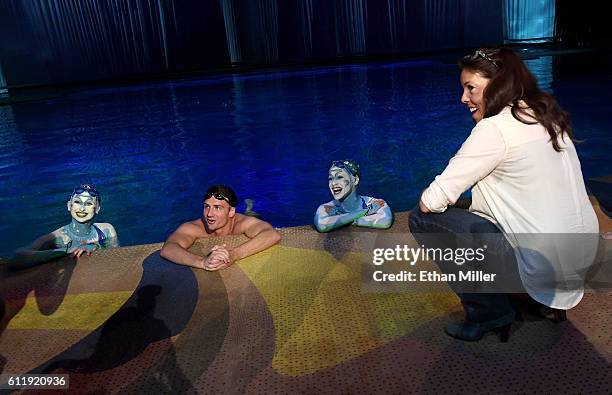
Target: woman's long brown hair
(510, 81)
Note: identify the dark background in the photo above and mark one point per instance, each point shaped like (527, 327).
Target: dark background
(55, 42)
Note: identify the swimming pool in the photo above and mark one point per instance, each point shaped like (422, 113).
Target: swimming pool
(153, 149)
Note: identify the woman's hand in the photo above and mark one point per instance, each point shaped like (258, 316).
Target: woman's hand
(423, 207)
(76, 252)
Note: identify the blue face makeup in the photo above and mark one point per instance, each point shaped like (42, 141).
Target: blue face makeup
(341, 183)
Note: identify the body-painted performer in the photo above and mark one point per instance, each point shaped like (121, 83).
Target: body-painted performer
(81, 235)
(219, 219)
(348, 207)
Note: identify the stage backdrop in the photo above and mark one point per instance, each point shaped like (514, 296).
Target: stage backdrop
(59, 41)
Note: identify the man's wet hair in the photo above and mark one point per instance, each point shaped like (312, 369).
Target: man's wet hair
(222, 192)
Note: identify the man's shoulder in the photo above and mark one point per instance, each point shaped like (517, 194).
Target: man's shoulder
(243, 222)
(195, 227)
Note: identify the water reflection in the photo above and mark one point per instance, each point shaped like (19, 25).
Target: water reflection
(154, 148)
(542, 69)
(4, 94)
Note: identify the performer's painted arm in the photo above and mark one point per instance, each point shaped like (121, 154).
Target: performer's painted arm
(43, 249)
(326, 218)
(379, 215)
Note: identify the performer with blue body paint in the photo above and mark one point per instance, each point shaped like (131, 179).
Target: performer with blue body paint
(348, 207)
(80, 236)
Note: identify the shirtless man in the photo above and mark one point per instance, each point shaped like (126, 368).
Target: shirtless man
(348, 207)
(219, 219)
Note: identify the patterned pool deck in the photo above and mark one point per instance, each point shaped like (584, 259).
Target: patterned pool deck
(292, 319)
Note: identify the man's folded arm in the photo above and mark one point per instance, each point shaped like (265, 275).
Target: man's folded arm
(262, 236)
(175, 248)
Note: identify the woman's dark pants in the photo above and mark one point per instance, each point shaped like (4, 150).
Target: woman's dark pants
(458, 228)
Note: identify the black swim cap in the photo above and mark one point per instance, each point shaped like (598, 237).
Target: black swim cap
(222, 192)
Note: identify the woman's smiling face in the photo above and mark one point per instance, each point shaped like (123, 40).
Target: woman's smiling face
(83, 207)
(341, 183)
(473, 85)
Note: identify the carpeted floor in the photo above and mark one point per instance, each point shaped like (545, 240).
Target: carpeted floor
(294, 318)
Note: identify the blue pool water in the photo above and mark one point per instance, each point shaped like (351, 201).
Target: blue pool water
(153, 149)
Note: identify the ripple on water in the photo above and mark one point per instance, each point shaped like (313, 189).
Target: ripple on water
(154, 148)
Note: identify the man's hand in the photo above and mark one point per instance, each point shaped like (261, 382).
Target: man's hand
(219, 258)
